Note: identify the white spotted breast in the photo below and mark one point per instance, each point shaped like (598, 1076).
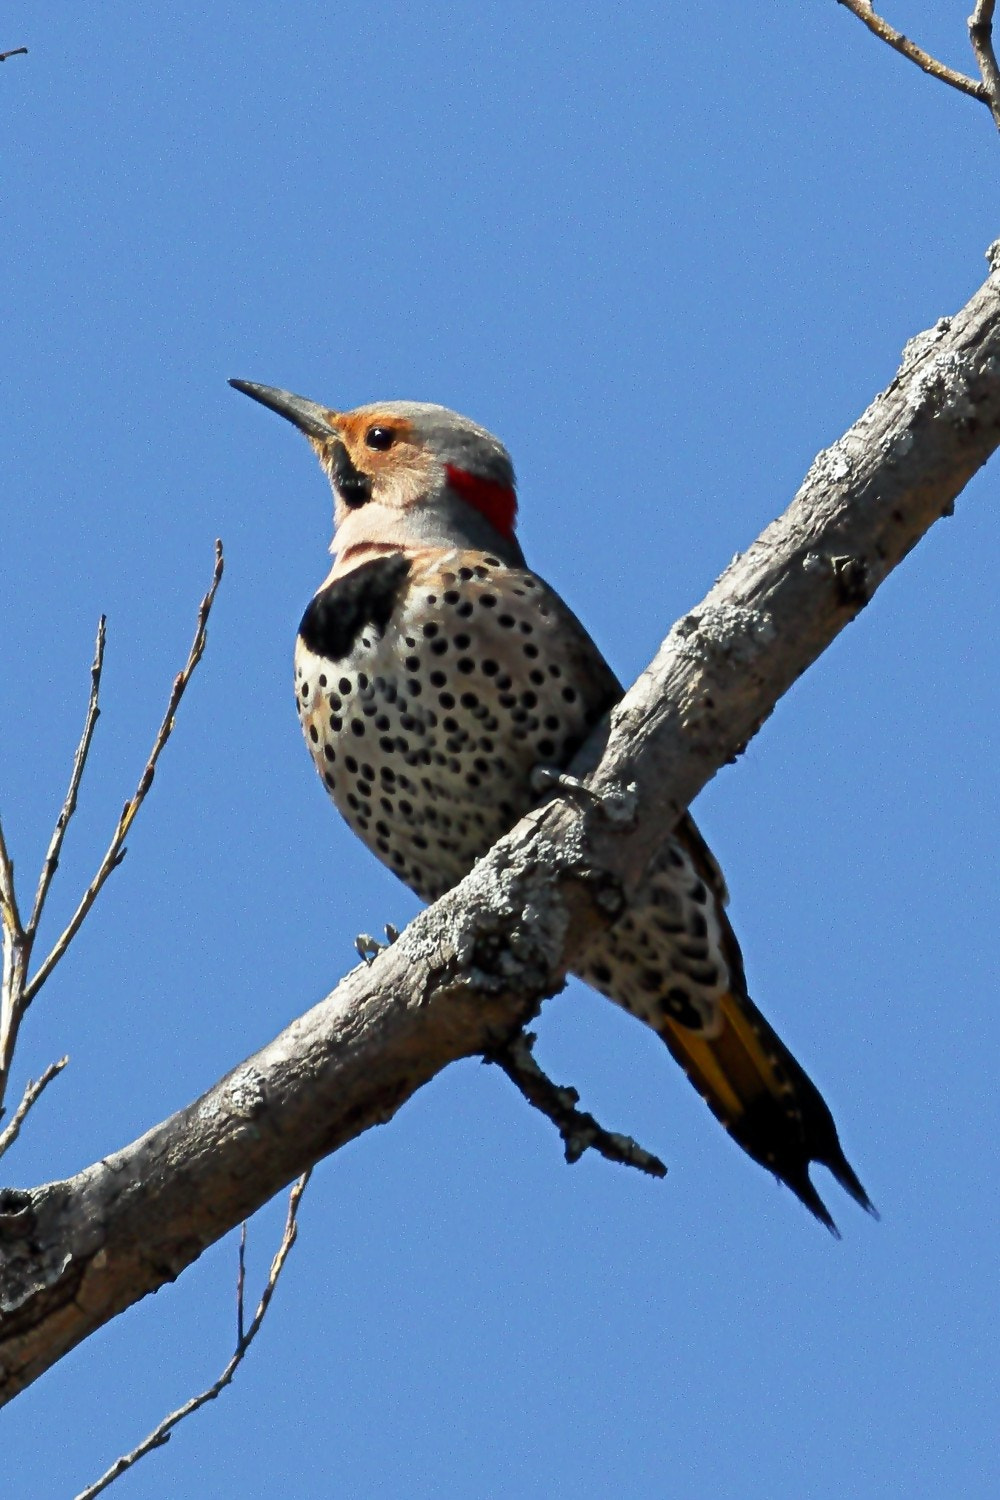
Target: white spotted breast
(428, 689)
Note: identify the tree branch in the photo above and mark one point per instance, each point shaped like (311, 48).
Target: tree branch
(16, 951)
(16, 990)
(986, 89)
(579, 1131)
(51, 861)
(32, 1093)
(162, 1432)
(14, 52)
(475, 966)
(981, 37)
(116, 850)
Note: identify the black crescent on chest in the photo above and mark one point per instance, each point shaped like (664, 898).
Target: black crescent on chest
(366, 596)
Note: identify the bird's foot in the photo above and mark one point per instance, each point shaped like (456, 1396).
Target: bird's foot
(548, 779)
(617, 806)
(369, 948)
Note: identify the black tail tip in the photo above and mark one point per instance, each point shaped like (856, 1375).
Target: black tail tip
(802, 1186)
(851, 1183)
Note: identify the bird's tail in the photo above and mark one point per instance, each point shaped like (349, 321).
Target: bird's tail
(765, 1100)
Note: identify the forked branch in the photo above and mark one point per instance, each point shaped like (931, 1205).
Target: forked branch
(985, 88)
(117, 850)
(981, 37)
(17, 990)
(245, 1336)
(33, 1091)
(579, 1130)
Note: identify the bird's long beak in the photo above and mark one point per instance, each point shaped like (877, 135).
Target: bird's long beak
(308, 416)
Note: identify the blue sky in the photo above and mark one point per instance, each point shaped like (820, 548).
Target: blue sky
(667, 253)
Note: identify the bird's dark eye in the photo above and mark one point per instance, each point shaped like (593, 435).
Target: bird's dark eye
(380, 438)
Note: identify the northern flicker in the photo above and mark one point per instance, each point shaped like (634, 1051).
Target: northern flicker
(434, 673)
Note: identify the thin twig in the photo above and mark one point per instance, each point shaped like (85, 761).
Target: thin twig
(51, 862)
(14, 52)
(578, 1129)
(161, 1433)
(16, 990)
(15, 962)
(32, 1092)
(9, 913)
(981, 37)
(116, 849)
(900, 43)
(241, 1276)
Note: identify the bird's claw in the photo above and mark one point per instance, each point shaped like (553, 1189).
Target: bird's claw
(549, 779)
(369, 948)
(617, 806)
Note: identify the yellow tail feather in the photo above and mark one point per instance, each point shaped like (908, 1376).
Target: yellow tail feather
(765, 1100)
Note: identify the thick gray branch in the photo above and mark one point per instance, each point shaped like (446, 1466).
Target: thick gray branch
(471, 970)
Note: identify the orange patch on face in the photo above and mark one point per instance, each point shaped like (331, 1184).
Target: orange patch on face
(397, 462)
(353, 425)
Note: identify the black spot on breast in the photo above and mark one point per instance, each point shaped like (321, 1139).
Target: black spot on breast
(366, 596)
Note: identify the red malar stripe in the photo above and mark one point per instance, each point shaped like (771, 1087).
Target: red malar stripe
(494, 501)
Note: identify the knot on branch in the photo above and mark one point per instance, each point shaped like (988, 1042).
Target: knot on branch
(16, 1215)
(852, 582)
(28, 1271)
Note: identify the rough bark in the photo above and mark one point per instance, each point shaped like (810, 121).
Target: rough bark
(476, 966)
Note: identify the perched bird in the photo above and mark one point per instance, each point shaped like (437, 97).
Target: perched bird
(434, 673)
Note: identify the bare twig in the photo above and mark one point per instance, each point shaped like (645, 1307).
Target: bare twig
(902, 44)
(33, 1091)
(161, 1433)
(14, 52)
(116, 849)
(578, 1129)
(18, 940)
(241, 1277)
(15, 962)
(981, 37)
(9, 913)
(16, 990)
(51, 863)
